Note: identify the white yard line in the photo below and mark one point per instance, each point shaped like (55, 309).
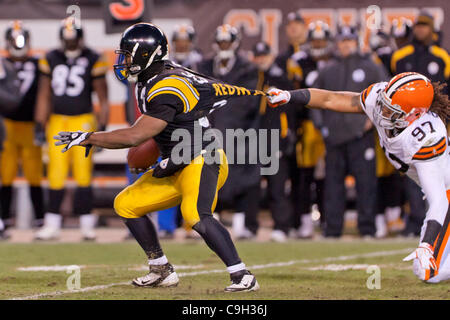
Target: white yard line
(254, 267)
(49, 268)
(65, 268)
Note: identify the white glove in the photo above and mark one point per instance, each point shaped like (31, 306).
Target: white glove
(71, 139)
(424, 255)
(277, 97)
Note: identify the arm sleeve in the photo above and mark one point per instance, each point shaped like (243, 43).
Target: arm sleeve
(433, 185)
(300, 97)
(164, 112)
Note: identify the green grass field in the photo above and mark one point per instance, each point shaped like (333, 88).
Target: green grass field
(294, 270)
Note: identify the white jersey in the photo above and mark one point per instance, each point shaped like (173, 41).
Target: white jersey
(421, 151)
(424, 140)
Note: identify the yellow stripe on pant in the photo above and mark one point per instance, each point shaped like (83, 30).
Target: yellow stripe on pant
(19, 147)
(150, 194)
(59, 163)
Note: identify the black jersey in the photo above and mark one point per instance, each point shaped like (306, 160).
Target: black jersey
(71, 79)
(27, 73)
(183, 98)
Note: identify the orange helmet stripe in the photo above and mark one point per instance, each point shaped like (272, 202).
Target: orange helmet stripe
(401, 80)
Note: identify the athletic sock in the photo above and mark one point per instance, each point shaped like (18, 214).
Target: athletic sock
(55, 199)
(158, 261)
(145, 234)
(83, 200)
(5, 201)
(37, 198)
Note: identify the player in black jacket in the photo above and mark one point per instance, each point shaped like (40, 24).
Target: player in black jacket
(21, 148)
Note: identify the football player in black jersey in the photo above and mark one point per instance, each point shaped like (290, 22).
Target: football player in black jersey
(21, 148)
(173, 100)
(183, 44)
(69, 76)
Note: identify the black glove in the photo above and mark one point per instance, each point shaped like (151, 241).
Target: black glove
(39, 135)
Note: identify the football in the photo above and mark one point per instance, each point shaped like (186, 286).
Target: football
(143, 155)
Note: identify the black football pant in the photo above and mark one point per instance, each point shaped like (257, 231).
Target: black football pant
(279, 203)
(357, 158)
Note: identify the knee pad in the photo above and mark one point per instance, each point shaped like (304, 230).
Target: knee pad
(123, 207)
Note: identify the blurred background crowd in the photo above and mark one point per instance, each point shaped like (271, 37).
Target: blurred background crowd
(331, 167)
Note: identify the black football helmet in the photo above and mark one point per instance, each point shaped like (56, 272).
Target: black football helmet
(141, 45)
(401, 28)
(319, 30)
(71, 35)
(226, 33)
(17, 40)
(184, 32)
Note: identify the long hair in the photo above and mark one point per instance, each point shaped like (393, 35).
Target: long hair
(440, 104)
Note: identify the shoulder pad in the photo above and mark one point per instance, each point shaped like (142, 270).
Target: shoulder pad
(434, 141)
(174, 85)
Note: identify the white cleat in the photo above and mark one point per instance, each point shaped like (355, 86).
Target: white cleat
(159, 276)
(278, 236)
(51, 227)
(47, 233)
(306, 229)
(242, 281)
(87, 226)
(381, 227)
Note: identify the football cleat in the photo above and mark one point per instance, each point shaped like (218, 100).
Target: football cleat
(87, 226)
(278, 236)
(51, 228)
(159, 276)
(306, 229)
(4, 235)
(242, 281)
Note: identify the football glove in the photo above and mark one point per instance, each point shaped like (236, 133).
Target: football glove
(277, 97)
(39, 135)
(71, 139)
(424, 255)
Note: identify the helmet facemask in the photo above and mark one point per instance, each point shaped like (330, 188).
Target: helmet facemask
(17, 43)
(127, 68)
(389, 116)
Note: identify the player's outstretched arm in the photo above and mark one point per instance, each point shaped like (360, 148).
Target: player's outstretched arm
(143, 129)
(340, 101)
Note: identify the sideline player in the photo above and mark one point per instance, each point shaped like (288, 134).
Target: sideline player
(409, 113)
(69, 76)
(21, 148)
(170, 97)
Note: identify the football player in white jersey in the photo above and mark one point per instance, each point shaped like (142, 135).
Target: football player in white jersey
(410, 114)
